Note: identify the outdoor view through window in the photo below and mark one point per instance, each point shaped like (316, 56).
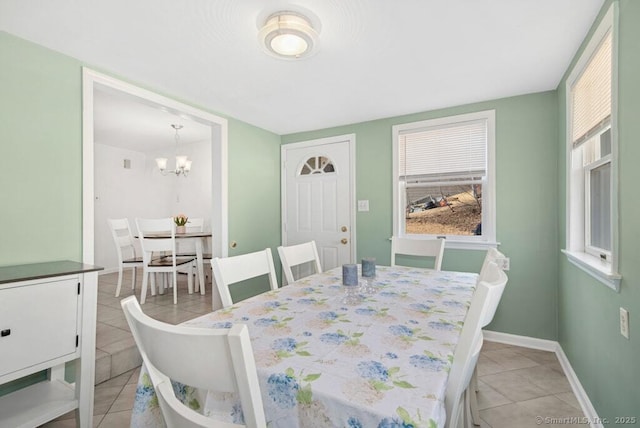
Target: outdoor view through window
(442, 172)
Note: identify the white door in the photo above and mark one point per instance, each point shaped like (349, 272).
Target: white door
(318, 197)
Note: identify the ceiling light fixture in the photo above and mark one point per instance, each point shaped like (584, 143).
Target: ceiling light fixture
(183, 164)
(288, 35)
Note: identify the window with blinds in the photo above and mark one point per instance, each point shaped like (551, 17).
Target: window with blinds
(591, 141)
(591, 161)
(448, 154)
(591, 95)
(442, 173)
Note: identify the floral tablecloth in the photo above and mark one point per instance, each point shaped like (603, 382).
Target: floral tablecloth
(322, 363)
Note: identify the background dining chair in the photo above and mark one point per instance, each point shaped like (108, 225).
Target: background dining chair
(484, 301)
(493, 255)
(487, 273)
(125, 247)
(169, 263)
(219, 360)
(188, 248)
(418, 247)
(295, 255)
(230, 270)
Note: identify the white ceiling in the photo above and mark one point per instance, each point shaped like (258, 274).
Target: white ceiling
(376, 58)
(121, 120)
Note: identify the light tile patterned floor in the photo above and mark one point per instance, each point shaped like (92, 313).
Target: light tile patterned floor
(517, 385)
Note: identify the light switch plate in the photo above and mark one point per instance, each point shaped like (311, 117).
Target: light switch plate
(624, 322)
(363, 205)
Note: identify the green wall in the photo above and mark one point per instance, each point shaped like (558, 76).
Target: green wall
(41, 152)
(41, 181)
(606, 363)
(41, 148)
(526, 187)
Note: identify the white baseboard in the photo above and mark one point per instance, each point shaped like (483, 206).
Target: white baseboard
(524, 341)
(551, 346)
(588, 409)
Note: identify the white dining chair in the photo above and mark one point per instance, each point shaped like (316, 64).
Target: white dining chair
(126, 250)
(492, 255)
(486, 274)
(484, 301)
(231, 270)
(218, 360)
(169, 263)
(418, 247)
(296, 255)
(188, 249)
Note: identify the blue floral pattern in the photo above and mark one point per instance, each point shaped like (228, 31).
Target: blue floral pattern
(384, 362)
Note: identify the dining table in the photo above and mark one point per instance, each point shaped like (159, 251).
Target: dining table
(326, 360)
(198, 238)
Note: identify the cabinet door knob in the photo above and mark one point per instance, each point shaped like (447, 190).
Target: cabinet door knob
(5, 332)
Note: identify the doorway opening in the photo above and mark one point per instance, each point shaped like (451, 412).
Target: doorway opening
(95, 83)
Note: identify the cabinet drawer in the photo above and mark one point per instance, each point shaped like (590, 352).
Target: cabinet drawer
(38, 323)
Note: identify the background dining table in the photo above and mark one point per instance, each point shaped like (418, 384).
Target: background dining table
(382, 362)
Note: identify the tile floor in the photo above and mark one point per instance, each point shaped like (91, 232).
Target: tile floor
(516, 384)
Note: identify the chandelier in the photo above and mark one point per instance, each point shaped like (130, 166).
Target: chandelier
(183, 164)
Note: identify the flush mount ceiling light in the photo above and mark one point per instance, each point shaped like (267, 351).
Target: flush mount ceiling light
(288, 35)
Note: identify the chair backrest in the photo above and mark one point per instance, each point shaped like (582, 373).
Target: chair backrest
(491, 273)
(195, 224)
(218, 360)
(176, 414)
(468, 348)
(418, 247)
(295, 255)
(493, 255)
(230, 270)
(151, 245)
(122, 237)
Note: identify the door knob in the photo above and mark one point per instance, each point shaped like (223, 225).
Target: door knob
(344, 241)
(344, 228)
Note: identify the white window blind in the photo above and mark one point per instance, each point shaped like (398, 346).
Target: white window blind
(591, 95)
(454, 152)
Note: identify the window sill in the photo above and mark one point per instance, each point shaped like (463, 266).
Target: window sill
(596, 268)
(452, 244)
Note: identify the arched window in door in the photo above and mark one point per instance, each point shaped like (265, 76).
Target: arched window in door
(317, 165)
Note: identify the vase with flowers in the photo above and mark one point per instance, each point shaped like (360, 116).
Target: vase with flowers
(181, 223)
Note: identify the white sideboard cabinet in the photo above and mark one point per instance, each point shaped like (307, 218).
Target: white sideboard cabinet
(48, 318)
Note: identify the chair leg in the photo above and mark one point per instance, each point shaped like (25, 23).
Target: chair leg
(472, 392)
(196, 287)
(467, 421)
(204, 283)
(120, 269)
(175, 287)
(143, 293)
(153, 284)
(133, 280)
(190, 279)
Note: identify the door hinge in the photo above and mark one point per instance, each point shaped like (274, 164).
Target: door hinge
(77, 340)
(78, 289)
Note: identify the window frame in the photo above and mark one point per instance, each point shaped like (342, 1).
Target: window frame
(577, 237)
(589, 248)
(488, 237)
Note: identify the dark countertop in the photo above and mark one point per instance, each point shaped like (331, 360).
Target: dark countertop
(43, 270)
